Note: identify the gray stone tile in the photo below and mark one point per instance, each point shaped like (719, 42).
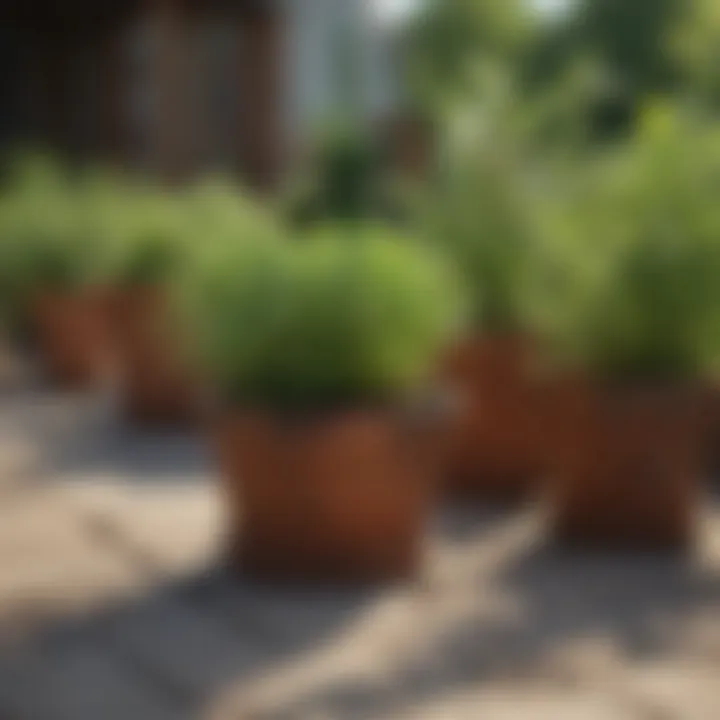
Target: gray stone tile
(79, 681)
(190, 653)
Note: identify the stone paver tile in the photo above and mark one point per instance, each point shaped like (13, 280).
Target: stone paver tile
(79, 681)
(185, 650)
(49, 562)
(516, 704)
(676, 690)
(351, 655)
(167, 528)
(19, 467)
(35, 520)
(700, 636)
(485, 548)
(49, 417)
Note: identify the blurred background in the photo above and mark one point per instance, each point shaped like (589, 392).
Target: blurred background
(178, 87)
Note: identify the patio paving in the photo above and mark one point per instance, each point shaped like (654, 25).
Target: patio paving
(115, 605)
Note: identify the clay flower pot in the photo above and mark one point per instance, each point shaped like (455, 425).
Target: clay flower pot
(712, 436)
(627, 466)
(156, 386)
(492, 448)
(339, 497)
(72, 335)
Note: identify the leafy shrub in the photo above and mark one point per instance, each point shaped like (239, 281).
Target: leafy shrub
(480, 213)
(46, 238)
(323, 322)
(497, 172)
(632, 272)
(142, 231)
(217, 208)
(149, 233)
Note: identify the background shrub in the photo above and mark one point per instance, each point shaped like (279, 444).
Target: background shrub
(479, 210)
(633, 263)
(47, 240)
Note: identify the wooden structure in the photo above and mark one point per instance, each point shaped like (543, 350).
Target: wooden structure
(169, 86)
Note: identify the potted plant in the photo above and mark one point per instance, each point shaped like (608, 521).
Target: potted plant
(316, 350)
(639, 322)
(54, 261)
(145, 237)
(480, 214)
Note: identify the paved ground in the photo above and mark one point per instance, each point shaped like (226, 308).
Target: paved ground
(113, 605)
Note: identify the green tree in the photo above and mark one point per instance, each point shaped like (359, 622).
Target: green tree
(449, 38)
(643, 49)
(695, 47)
(631, 39)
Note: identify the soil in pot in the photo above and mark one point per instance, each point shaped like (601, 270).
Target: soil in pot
(341, 497)
(492, 450)
(72, 336)
(156, 386)
(627, 467)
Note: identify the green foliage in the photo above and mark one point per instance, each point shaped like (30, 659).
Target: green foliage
(216, 204)
(143, 234)
(449, 38)
(342, 179)
(632, 264)
(479, 211)
(46, 238)
(60, 232)
(216, 211)
(694, 45)
(319, 323)
(631, 38)
(643, 48)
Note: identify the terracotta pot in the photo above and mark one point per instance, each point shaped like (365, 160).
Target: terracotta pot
(712, 435)
(342, 497)
(627, 466)
(156, 386)
(492, 448)
(72, 335)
